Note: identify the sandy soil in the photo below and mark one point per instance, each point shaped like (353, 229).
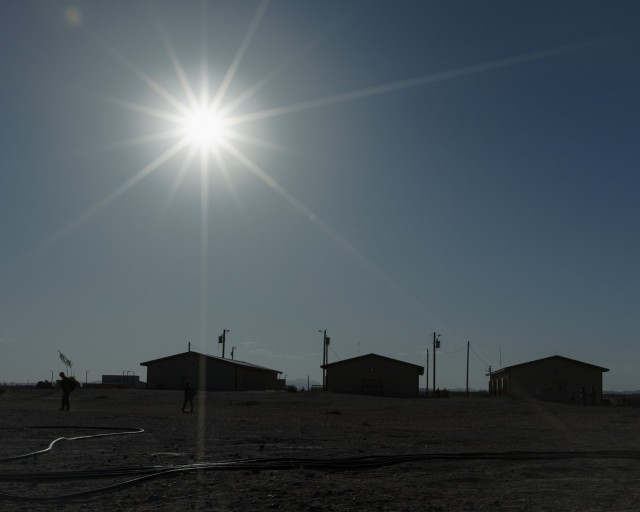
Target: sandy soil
(273, 427)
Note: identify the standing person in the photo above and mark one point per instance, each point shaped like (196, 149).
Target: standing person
(189, 393)
(68, 384)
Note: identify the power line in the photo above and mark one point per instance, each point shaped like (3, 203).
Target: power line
(476, 354)
(454, 351)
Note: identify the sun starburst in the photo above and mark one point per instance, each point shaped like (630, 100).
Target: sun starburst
(204, 127)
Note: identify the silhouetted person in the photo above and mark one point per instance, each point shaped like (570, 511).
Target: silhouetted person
(68, 385)
(594, 394)
(189, 393)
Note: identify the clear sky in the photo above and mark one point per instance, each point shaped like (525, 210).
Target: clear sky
(383, 170)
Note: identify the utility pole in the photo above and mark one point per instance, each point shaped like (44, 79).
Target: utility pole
(327, 340)
(436, 344)
(468, 343)
(324, 334)
(427, 376)
(222, 339)
(325, 357)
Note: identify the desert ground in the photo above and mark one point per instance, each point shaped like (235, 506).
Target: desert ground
(313, 451)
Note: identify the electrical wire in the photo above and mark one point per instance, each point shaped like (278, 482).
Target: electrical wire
(453, 351)
(476, 354)
(360, 463)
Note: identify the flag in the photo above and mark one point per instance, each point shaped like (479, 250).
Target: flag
(65, 360)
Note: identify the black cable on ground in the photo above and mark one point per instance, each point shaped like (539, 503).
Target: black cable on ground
(359, 463)
(341, 464)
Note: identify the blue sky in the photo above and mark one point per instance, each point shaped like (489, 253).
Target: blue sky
(388, 169)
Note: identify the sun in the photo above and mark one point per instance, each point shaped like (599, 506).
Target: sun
(204, 127)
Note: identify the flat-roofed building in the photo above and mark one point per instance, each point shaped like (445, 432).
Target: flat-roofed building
(124, 380)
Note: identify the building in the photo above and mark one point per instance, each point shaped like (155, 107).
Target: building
(372, 374)
(208, 372)
(555, 378)
(124, 380)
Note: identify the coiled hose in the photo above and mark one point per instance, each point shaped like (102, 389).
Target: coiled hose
(121, 432)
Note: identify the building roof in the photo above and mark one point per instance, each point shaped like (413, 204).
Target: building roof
(343, 361)
(219, 359)
(562, 358)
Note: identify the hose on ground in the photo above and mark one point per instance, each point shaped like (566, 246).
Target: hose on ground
(359, 463)
(121, 432)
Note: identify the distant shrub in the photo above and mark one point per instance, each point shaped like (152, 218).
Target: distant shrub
(291, 388)
(245, 402)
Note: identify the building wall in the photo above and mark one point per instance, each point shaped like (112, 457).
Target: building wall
(553, 379)
(220, 376)
(207, 373)
(373, 376)
(173, 372)
(255, 379)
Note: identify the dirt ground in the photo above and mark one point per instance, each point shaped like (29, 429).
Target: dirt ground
(313, 452)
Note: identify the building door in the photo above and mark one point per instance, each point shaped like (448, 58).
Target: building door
(372, 387)
(555, 391)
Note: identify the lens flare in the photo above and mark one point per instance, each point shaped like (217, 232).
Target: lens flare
(205, 128)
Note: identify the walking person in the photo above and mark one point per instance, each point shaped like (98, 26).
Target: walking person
(189, 393)
(68, 384)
